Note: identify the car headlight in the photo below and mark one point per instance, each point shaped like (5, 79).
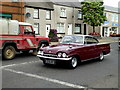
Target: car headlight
(64, 55)
(59, 54)
(40, 52)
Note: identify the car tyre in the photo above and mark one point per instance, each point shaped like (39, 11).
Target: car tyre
(9, 52)
(73, 63)
(101, 57)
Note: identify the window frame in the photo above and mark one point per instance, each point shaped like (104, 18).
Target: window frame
(80, 29)
(38, 29)
(37, 15)
(80, 12)
(61, 16)
(49, 15)
(60, 27)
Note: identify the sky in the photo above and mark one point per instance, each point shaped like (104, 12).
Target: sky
(113, 3)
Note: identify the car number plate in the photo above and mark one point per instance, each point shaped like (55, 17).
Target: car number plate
(50, 61)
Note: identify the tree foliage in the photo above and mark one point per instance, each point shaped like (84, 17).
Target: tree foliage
(93, 13)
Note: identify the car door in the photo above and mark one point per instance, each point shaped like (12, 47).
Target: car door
(90, 47)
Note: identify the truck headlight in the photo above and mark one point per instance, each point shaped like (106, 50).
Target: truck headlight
(64, 55)
(40, 52)
(59, 54)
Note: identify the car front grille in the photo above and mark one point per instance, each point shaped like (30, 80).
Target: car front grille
(49, 55)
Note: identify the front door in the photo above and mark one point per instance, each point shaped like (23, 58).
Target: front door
(84, 29)
(69, 29)
(48, 27)
(105, 32)
(90, 49)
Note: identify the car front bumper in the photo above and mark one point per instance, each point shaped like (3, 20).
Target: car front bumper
(54, 58)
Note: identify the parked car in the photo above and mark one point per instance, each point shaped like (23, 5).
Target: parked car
(74, 49)
(19, 36)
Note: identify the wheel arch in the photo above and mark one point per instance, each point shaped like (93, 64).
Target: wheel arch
(43, 41)
(77, 56)
(9, 43)
(104, 52)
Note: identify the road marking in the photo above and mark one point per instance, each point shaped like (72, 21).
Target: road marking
(47, 79)
(11, 65)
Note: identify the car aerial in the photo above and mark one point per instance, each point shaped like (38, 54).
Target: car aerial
(73, 49)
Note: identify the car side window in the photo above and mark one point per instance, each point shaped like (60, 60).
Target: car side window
(90, 40)
(67, 39)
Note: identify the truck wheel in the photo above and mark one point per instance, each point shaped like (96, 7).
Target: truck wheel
(73, 63)
(9, 52)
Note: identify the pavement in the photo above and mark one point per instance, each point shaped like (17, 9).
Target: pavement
(101, 40)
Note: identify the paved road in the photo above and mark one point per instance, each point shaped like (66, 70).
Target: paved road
(27, 71)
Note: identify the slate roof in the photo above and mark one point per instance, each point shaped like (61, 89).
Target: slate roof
(71, 3)
(44, 5)
(112, 9)
(48, 4)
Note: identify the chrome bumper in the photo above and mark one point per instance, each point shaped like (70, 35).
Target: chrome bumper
(53, 58)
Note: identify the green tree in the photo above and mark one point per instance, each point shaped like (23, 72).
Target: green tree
(93, 13)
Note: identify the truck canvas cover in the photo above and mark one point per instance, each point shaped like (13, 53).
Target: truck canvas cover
(9, 27)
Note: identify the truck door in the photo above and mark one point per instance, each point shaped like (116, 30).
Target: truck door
(29, 37)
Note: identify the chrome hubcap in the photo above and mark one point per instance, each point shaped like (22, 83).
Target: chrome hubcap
(101, 56)
(74, 62)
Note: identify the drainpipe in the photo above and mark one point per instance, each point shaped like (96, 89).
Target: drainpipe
(73, 28)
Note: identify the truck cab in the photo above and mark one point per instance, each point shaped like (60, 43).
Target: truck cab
(19, 36)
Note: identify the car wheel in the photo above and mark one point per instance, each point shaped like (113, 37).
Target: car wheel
(9, 52)
(101, 57)
(73, 63)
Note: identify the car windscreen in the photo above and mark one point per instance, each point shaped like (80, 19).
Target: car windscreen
(72, 39)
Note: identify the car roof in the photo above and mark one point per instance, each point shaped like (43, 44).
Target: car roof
(80, 35)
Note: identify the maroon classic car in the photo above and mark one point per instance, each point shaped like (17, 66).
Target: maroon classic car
(74, 49)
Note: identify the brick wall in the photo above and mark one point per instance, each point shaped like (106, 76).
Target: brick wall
(16, 9)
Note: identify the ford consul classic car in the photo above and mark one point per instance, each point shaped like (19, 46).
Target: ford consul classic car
(74, 49)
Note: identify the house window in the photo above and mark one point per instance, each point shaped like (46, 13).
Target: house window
(80, 14)
(113, 17)
(60, 28)
(48, 14)
(36, 14)
(77, 28)
(63, 12)
(116, 18)
(36, 28)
